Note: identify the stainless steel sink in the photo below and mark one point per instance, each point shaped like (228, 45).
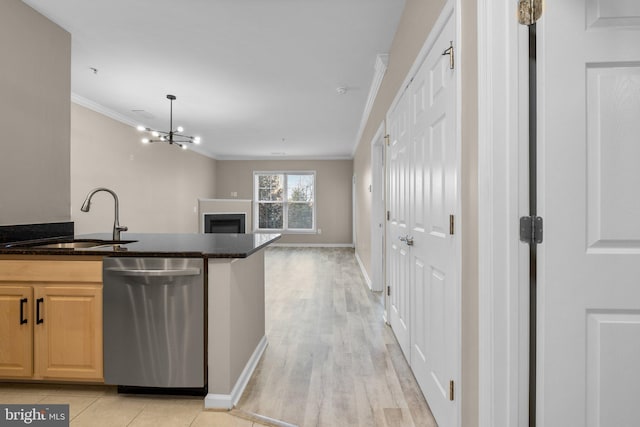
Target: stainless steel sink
(70, 244)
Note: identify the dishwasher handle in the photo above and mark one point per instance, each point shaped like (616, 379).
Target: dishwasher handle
(154, 272)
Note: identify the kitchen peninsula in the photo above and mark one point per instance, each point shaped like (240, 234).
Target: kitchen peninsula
(233, 299)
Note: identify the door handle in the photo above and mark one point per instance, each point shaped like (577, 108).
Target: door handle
(406, 239)
(39, 320)
(23, 301)
(155, 273)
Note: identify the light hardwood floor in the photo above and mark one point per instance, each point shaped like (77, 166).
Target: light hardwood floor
(331, 360)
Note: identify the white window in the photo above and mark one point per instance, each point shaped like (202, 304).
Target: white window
(284, 201)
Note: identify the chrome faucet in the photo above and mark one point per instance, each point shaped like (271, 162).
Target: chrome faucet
(117, 228)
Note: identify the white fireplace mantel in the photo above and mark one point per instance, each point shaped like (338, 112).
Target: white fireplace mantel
(223, 206)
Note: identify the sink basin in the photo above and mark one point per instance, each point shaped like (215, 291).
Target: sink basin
(70, 244)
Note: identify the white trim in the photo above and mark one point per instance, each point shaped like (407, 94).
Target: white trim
(309, 158)
(456, 11)
(224, 200)
(382, 60)
(364, 271)
(228, 401)
(502, 199)
(313, 245)
(354, 211)
(101, 109)
(285, 203)
(378, 209)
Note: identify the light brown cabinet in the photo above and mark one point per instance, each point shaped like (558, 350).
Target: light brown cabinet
(51, 319)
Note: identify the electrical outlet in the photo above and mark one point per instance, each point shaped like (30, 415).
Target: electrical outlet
(319, 230)
(234, 194)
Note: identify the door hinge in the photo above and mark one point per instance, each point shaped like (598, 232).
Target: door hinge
(388, 291)
(531, 229)
(386, 138)
(388, 215)
(529, 11)
(449, 51)
(451, 390)
(452, 223)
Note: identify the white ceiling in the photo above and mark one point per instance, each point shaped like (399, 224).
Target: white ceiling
(252, 77)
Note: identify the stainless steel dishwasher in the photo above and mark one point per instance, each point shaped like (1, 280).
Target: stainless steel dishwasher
(153, 312)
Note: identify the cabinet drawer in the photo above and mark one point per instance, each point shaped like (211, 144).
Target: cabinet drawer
(50, 271)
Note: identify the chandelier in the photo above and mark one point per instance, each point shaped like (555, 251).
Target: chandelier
(173, 136)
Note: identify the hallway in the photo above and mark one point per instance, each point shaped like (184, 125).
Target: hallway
(331, 360)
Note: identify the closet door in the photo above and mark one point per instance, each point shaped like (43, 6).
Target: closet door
(399, 207)
(423, 249)
(433, 260)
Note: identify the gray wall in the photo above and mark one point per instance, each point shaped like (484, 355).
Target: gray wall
(158, 185)
(34, 116)
(333, 193)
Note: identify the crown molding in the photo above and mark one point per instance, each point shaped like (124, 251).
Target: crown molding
(380, 67)
(101, 109)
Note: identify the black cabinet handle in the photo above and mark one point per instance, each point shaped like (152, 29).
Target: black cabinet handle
(39, 320)
(23, 301)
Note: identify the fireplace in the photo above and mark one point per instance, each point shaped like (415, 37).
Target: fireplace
(224, 223)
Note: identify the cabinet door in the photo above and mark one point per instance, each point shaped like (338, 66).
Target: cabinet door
(68, 332)
(16, 331)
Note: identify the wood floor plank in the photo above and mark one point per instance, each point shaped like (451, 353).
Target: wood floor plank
(331, 360)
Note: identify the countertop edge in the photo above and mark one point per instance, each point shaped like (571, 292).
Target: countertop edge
(124, 252)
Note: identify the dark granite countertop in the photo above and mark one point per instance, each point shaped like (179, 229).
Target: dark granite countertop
(153, 245)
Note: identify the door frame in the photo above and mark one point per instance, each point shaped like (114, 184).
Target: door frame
(503, 276)
(378, 209)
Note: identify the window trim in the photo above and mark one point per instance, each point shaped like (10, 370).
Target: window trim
(285, 203)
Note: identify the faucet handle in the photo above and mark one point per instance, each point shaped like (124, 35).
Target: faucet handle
(122, 228)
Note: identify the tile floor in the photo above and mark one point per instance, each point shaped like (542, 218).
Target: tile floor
(98, 406)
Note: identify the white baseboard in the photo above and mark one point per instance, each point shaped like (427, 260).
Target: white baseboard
(228, 401)
(364, 272)
(313, 245)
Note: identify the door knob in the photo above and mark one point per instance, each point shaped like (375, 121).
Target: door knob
(407, 239)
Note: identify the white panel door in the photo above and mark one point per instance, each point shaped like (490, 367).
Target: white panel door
(589, 197)
(435, 313)
(398, 271)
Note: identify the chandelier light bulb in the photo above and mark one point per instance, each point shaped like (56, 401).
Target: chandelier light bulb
(155, 134)
(141, 128)
(145, 140)
(184, 146)
(180, 129)
(196, 140)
